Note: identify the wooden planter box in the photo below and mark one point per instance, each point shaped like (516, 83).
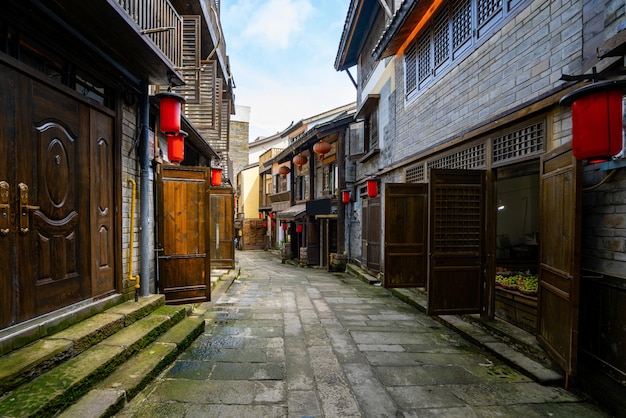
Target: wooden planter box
(517, 308)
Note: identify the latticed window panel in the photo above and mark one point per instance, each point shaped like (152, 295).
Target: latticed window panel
(441, 36)
(423, 56)
(486, 10)
(410, 65)
(457, 219)
(415, 174)
(467, 159)
(461, 22)
(520, 143)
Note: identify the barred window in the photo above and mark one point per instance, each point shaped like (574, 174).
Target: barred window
(519, 143)
(449, 36)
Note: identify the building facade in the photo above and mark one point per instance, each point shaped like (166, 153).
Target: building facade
(460, 122)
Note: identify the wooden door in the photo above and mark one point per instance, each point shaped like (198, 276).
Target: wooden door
(559, 268)
(313, 242)
(406, 234)
(374, 234)
(52, 209)
(102, 191)
(222, 228)
(183, 237)
(457, 241)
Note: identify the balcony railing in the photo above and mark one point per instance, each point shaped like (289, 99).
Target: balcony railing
(160, 22)
(269, 154)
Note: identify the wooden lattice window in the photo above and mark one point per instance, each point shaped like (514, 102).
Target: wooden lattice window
(415, 174)
(410, 65)
(441, 36)
(423, 56)
(519, 143)
(487, 9)
(461, 22)
(463, 206)
(467, 159)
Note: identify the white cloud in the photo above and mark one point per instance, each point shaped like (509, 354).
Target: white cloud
(274, 22)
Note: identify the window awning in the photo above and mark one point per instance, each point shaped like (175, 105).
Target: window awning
(292, 213)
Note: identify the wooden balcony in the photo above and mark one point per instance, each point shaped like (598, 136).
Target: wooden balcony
(159, 22)
(268, 155)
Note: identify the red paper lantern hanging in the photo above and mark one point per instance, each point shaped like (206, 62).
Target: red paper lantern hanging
(299, 228)
(264, 224)
(345, 196)
(596, 121)
(260, 215)
(170, 105)
(284, 226)
(372, 188)
(283, 171)
(176, 147)
(321, 148)
(216, 178)
(300, 160)
(271, 215)
(273, 224)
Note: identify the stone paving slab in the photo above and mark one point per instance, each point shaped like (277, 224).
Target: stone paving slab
(286, 341)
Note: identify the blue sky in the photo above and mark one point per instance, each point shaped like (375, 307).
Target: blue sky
(282, 55)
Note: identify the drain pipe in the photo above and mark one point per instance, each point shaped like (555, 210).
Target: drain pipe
(132, 240)
(144, 190)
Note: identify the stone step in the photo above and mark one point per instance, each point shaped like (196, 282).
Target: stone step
(63, 385)
(110, 396)
(26, 363)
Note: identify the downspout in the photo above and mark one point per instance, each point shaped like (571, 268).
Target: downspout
(132, 240)
(144, 189)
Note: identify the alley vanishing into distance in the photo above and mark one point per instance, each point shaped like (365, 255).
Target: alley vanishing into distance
(286, 341)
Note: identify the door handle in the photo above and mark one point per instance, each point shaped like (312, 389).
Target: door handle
(24, 207)
(5, 207)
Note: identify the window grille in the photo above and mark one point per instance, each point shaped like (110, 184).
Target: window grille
(461, 22)
(415, 174)
(410, 68)
(523, 142)
(467, 159)
(487, 9)
(423, 56)
(441, 37)
(372, 125)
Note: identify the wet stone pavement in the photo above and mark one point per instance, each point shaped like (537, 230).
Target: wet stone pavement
(286, 341)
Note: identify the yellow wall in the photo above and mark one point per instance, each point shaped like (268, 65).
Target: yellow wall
(250, 192)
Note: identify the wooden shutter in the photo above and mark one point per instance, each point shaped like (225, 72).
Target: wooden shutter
(191, 59)
(457, 242)
(559, 267)
(357, 138)
(406, 235)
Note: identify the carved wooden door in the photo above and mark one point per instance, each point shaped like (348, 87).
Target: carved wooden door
(183, 238)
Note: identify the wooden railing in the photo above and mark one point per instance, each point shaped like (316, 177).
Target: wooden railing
(159, 21)
(268, 155)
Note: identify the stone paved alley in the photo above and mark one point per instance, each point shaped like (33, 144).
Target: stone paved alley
(285, 341)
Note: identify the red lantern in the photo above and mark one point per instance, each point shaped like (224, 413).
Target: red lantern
(216, 178)
(284, 226)
(271, 215)
(300, 160)
(321, 148)
(283, 171)
(273, 224)
(260, 215)
(299, 228)
(176, 147)
(345, 196)
(372, 188)
(596, 121)
(169, 112)
(264, 224)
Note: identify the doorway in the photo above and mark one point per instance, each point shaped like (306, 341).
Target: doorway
(517, 244)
